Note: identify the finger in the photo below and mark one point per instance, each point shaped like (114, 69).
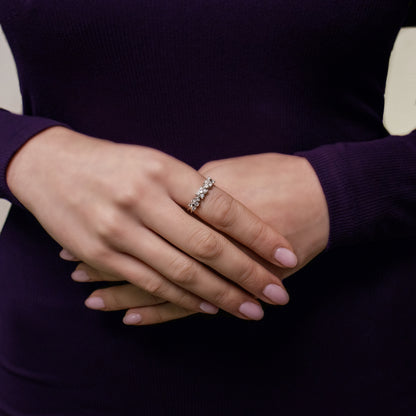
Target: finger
(66, 255)
(125, 267)
(207, 246)
(86, 273)
(121, 297)
(184, 271)
(155, 314)
(227, 214)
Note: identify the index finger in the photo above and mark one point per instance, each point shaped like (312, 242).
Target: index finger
(227, 214)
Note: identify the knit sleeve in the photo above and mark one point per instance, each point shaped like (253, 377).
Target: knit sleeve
(370, 188)
(15, 131)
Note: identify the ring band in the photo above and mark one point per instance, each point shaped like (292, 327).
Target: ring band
(200, 194)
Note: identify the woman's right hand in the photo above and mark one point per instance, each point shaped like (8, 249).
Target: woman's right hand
(118, 208)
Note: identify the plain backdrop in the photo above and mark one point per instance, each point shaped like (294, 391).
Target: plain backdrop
(400, 108)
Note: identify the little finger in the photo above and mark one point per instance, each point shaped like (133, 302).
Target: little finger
(155, 314)
(121, 297)
(86, 273)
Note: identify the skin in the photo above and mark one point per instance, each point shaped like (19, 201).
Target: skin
(282, 190)
(119, 209)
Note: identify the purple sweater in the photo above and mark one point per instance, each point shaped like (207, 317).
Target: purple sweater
(205, 80)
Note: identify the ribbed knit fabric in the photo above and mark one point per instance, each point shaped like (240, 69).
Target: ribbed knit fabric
(370, 188)
(205, 80)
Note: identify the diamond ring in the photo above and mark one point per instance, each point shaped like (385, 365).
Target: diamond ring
(200, 194)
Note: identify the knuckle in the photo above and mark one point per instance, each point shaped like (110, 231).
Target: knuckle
(187, 301)
(153, 169)
(225, 209)
(259, 231)
(158, 316)
(249, 276)
(221, 297)
(95, 253)
(126, 196)
(155, 165)
(112, 299)
(156, 169)
(206, 245)
(154, 287)
(182, 271)
(109, 226)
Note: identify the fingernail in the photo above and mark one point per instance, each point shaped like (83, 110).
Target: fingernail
(66, 255)
(286, 257)
(80, 276)
(95, 303)
(251, 310)
(208, 308)
(133, 318)
(276, 294)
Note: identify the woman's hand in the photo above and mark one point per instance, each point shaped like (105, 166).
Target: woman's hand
(282, 190)
(118, 208)
(285, 192)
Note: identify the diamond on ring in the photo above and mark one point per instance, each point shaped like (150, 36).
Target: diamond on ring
(200, 194)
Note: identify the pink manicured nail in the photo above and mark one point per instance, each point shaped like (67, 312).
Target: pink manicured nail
(208, 308)
(80, 276)
(251, 310)
(286, 257)
(95, 303)
(66, 255)
(276, 294)
(133, 318)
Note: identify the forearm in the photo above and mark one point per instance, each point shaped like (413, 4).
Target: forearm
(370, 188)
(15, 131)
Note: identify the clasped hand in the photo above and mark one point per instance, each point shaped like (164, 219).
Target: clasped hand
(119, 210)
(282, 190)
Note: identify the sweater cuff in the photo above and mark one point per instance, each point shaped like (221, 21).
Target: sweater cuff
(15, 131)
(369, 187)
(325, 162)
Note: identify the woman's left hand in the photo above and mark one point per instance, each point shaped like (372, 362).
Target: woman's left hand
(282, 190)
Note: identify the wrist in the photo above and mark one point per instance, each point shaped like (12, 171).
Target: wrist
(32, 160)
(317, 204)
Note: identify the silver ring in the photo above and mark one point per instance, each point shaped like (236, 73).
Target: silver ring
(200, 194)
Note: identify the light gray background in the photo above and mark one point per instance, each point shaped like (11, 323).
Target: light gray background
(400, 109)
